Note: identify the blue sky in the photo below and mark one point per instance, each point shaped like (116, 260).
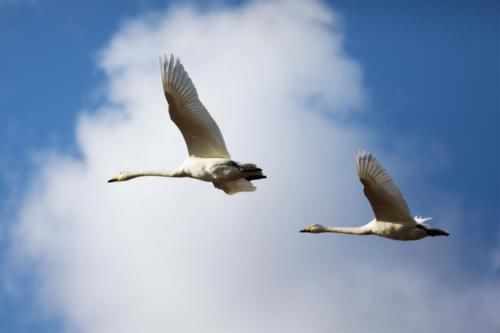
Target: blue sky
(431, 73)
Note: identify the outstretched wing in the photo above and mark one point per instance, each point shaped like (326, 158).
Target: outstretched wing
(201, 133)
(385, 198)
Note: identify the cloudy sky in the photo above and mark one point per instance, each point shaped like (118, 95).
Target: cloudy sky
(296, 87)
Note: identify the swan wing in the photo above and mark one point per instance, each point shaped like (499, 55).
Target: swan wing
(235, 186)
(385, 198)
(201, 133)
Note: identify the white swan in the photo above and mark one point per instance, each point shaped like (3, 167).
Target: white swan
(392, 215)
(208, 158)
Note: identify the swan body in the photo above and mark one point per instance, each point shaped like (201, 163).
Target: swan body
(392, 215)
(208, 158)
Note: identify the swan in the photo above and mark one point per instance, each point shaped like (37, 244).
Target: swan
(208, 158)
(392, 215)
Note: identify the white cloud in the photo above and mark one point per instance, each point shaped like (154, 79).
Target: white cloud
(170, 255)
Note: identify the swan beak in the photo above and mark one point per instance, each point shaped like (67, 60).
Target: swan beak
(112, 180)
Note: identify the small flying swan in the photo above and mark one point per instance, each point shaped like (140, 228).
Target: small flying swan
(208, 158)
(392, 215)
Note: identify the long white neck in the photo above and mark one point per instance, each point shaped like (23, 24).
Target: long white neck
(363, 230)
(157, 173)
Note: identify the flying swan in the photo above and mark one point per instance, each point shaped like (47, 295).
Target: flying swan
(208, 158)
(392, 215)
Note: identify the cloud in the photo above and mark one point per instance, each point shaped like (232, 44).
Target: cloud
(176, 255)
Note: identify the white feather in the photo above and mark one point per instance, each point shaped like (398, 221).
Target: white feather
(385, 198)
(201, 133)
(421, 219)
(240, 185)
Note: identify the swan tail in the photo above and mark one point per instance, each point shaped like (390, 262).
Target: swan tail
(251, 171)
(255, 177)
(437, 232)
(235, 186)
(421, 219)
(248, 167)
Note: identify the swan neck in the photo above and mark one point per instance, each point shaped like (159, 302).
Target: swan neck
(157, 173)
(349, 230)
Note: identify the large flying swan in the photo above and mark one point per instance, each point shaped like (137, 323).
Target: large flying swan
(208, 158)
(392, 215)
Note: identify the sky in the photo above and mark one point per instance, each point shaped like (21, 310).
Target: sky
(295, 87)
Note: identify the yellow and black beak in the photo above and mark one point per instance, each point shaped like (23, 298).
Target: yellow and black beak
(304, 230)
(112, 180)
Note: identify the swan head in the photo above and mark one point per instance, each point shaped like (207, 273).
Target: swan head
(120, 176)
(314, 228)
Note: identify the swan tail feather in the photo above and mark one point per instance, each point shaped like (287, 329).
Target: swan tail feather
(248, 167)
(437, 232)
(255, 177)
(251, 172)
